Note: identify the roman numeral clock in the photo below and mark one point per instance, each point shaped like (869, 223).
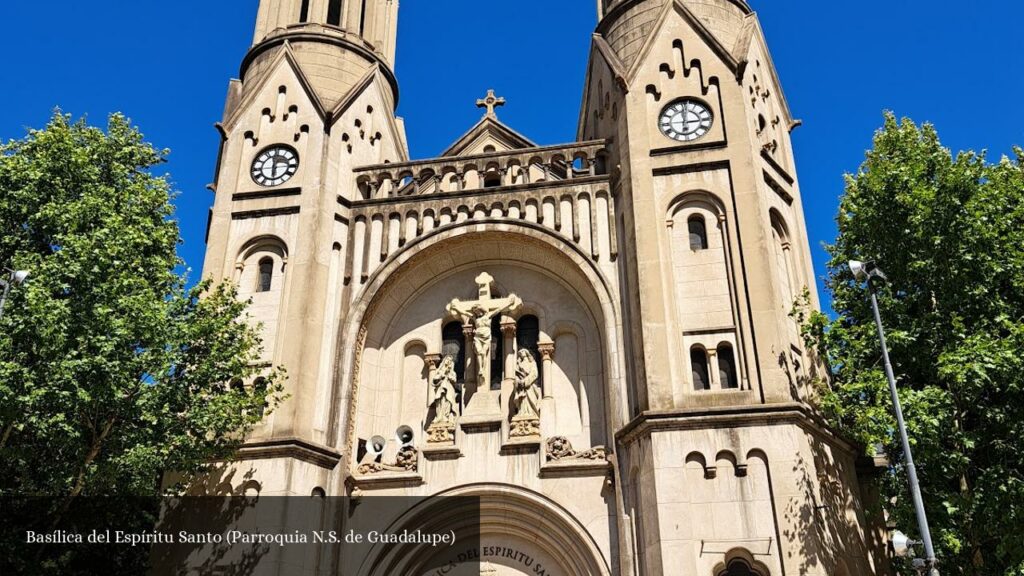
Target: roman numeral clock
(685, 120)
(275, 166)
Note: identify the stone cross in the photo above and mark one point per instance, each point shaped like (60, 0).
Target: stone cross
(490, 102)
(478, 314)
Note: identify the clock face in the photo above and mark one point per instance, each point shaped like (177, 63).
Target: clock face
(275, 166)
(685, 120)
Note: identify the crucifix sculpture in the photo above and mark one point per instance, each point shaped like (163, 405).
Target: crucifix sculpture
(490, 102)
(478, 315)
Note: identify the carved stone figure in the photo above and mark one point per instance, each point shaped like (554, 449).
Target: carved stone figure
(526, 396)
(405, 461)
(559, 448)
(478, 314)
(442, 392)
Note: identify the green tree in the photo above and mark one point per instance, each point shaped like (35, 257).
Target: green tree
(112, 371)
(949, 232)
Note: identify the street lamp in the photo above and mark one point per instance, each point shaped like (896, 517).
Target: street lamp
(873, 274)
(15, 278)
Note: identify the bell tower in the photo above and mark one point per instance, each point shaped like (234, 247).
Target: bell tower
(316, 98)
(715, 257)
(335, 41)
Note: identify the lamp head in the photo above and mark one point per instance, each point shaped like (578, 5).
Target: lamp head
(405, 436)
(866, 271)
(376, 445)
(20, 276)
(902, 545)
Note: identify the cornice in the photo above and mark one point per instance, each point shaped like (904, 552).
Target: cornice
(323, 38)
(732, 417)
(317, 454)
(625, 5)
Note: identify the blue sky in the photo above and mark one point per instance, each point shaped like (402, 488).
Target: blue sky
(166, 65)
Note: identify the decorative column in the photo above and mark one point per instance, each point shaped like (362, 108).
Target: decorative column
(547, 412)
(508, 332)
(713, 369)
(470, 372)
(432, 361)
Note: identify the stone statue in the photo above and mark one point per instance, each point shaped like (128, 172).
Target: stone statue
(405, 461)
(442, 392)
(559, 448)
(479, 314)
(526, 396)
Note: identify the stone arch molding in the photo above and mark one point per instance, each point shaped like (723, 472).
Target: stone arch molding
(490, 242)
(506, 511)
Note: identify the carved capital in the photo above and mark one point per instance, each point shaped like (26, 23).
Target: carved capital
(547, 350)
(524, 427)
(441, 433)
(432, 360)
(508, 327)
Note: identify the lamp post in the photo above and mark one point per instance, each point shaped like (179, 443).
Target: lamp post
(872, 273)
(15, 278)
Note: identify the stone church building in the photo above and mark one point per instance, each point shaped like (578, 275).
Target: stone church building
(594, 338)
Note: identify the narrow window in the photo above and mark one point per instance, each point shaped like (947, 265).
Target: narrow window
(334, 13)
(699, 365)
(528, 338)
(304, 12)
(260, 386)
(454, 345)
(497, 353)
(266, 275)
(698, 232)
(727, 367)
(362, 19)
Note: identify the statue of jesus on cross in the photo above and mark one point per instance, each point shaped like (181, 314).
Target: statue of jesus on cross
(478, 314)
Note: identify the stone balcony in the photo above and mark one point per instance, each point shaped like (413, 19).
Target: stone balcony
(565, 189)
(483, 171)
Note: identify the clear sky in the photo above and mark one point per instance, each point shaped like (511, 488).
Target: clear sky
(166, 65)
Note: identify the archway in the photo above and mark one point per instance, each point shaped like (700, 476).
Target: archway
(521, 532)
(457, 248)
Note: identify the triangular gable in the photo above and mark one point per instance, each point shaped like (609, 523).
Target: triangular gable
(283, 55)
(489, 130)
(373, 79)
(712, 41)
(599, 51)
(752, 32)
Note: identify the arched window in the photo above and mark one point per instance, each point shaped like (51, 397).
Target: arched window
(266, 275)
(492, 180)
(528, 338)
(727, 367)
(454, 344)
(699, 366)
(739, 568)
(334, 13)
(260, 386)
(698, 232)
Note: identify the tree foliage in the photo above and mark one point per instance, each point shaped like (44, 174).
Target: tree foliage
(949, 232)
(112, 371)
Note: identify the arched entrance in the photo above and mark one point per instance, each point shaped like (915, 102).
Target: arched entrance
(407, 274)
(521, 533)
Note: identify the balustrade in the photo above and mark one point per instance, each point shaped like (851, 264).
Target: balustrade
(483, 171)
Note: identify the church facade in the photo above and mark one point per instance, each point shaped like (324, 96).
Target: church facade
(594, 338)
